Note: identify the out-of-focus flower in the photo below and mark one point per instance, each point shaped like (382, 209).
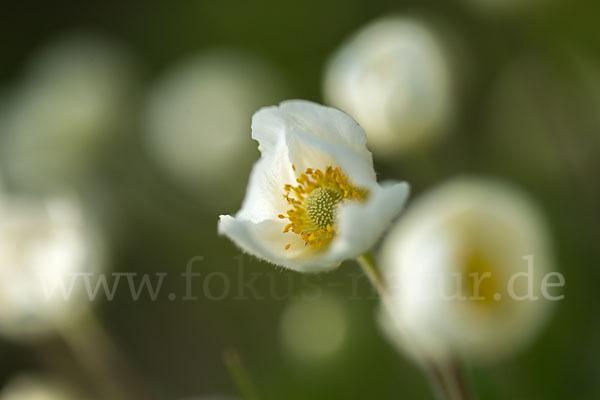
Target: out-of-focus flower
(312, 200)
(456, 270)
(313, 329)
(393, 77)
(196, 120)
(46, 246)
(35, 388)
(75, 95)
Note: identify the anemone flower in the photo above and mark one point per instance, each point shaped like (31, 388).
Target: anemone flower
(312, 199)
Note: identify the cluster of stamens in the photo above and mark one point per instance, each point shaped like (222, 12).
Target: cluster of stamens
(315, 200)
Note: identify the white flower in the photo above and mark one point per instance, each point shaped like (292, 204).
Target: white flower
(463, 231)
(43, 244)
(312, 200)
(392, 77)
(196, 120)
(75, 95)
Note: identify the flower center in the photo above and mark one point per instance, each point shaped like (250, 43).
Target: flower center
(315, 201)
(479, 280)
(321, 204)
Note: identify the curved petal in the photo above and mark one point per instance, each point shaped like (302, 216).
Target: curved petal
(316, 136)
(264, 195)
(306, 151)
(266, 241)
(361, 225)
(325, 123)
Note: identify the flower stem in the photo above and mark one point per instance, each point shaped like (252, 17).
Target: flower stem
(459, 380)
(369, 267)
(240, 376)
(101, 358)
(436, 375)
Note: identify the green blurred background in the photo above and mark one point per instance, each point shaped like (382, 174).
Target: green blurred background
(527, 111)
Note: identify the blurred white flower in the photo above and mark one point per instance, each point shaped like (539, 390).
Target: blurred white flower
(313, 329)
(393, 77)
(27, 387)
(43, 244)
(75, 94)
(196, 120)
(467, 231)
(312, 199)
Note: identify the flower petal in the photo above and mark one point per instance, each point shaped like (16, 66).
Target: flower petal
(325, 123)
(316, 136)
(264, 195)
(266, 241)
(308, 152)
(361, 225)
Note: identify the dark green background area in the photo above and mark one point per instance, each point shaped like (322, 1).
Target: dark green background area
(176, 346)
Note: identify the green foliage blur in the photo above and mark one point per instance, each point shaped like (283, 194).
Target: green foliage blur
(537, 126)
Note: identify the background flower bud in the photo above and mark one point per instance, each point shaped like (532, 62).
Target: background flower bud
(393, 77)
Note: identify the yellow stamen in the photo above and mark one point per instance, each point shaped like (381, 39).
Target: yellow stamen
(314, 203)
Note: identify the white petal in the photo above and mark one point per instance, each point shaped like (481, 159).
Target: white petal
(264, 194)
(316, 136)
(308, 152)
(361, 225)
(325, 123)
(266, 241)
